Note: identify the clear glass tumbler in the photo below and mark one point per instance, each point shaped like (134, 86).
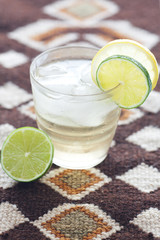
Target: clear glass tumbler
(81, 126)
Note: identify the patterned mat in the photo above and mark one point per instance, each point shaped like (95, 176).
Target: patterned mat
(120, 198)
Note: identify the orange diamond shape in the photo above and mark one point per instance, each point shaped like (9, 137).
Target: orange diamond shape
(125, 114)
(75, 181)
(83, 9)
(76, 223)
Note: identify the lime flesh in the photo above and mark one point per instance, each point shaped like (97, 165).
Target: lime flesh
(131, 49)
(130, 80)
(27, 154)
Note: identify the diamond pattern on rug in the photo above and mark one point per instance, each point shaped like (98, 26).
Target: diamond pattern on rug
(131, 200)
(24, 231)
(10, 217)
(125, 28)
(12, 59)
(147, 138)
(114, 29)
(83, 11)
(11, 95)
(128, 116)
(145, 178)
(5, 130)
(75, 184)
(81, 221)
(44, 34)
(152, 102)
(149, 221)
(5, 181)
(28, 110)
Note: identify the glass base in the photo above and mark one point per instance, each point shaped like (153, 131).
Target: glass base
(83, 164)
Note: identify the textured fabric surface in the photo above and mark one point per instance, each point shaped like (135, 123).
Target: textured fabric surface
(118, 199)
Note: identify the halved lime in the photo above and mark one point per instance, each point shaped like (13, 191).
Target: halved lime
(131, 78)
(27, 154)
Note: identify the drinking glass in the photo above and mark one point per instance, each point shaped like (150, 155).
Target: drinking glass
(81, 126)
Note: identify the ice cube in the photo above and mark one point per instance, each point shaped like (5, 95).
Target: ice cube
(50, 70)
(89, 114)
(56, 77)
(86, 86)
(86, 74)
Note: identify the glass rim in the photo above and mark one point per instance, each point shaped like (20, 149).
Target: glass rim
(103, 93)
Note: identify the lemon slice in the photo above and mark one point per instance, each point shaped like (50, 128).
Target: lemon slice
(27, 154)
(129, 79)
(131, 49)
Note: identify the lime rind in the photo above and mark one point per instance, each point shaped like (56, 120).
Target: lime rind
(48, 164)
(139, 66)
(131, 49)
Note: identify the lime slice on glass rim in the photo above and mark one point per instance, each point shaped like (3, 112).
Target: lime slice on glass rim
(127, 67)
(131, 78)
(27, 154)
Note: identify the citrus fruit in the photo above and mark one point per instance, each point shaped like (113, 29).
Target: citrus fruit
(131, 49)
(129, 79)
(27, 154)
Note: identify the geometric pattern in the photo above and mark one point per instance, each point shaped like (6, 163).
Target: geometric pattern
(28, 110)
(113, 29)
(119, 198)
(5, 130)
(147, 138)
(152, 103)
(41, 34)
(75, 184)
(128, 116)
(12, 96)
(84, 221)
(5, 181)
(10, 217)
(82, 11)
(12, 59)
(143, 177)
(47, 33)
(148, 221)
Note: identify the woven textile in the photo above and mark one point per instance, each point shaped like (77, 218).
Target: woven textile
(118, 199)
